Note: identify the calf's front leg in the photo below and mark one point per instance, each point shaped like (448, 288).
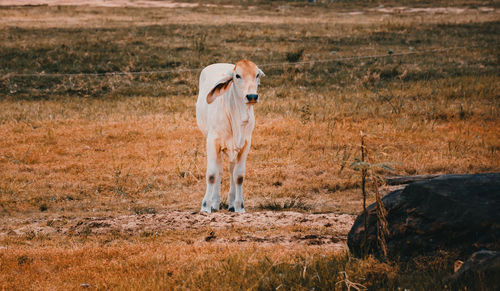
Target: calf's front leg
(237, 177)
(232, 187)
(214, 168)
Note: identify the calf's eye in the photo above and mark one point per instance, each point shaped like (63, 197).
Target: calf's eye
(238, 76)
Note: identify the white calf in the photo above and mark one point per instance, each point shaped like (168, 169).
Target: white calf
(224, 112)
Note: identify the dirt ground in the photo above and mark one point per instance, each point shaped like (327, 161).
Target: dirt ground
(267, 226)
(197, 14)
(102, 3)
(174, 4)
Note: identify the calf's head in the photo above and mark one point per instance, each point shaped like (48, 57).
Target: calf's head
(244, 79)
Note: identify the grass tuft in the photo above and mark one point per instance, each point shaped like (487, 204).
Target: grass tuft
(288, 204)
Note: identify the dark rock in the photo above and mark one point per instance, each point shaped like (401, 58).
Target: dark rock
(481, 269)
(400, 180)
(454, 213)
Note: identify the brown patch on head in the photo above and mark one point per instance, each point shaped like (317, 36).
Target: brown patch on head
(246, 68)
(218, 90)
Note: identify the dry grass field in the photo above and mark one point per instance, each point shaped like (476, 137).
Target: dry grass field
(102, 174)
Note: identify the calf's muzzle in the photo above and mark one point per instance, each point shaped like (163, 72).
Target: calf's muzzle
(252, 98)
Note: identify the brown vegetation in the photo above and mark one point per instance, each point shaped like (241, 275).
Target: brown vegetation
(107, 146)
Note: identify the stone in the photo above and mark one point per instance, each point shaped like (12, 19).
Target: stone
(459, 214)
(481, 269)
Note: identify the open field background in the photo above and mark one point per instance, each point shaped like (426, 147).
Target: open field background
(109, 146)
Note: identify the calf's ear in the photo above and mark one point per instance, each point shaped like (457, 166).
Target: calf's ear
(220, 87)
(260, 74)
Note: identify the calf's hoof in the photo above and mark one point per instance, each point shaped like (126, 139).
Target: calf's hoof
(240, 209)
(205, 207)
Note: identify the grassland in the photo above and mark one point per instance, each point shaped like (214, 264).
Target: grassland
(77, 146)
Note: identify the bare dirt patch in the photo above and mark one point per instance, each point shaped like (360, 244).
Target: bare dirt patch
(436, 10)
(326, 229)
(101, 3)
